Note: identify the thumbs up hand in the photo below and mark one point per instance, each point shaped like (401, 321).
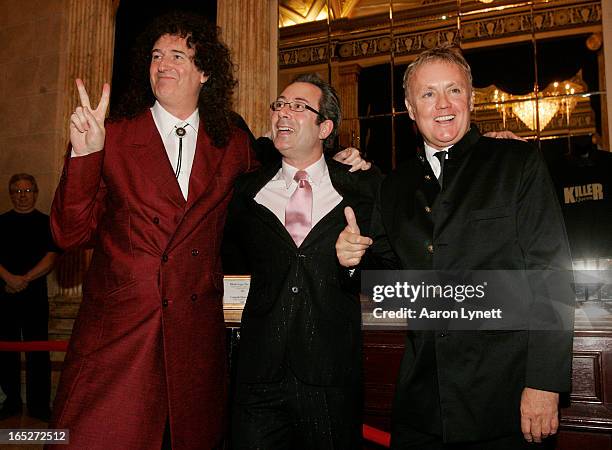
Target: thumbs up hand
(351, 245)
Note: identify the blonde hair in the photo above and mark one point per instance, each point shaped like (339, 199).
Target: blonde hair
(447, 53)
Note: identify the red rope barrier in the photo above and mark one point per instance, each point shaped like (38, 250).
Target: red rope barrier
(377, 436)
(33, 346)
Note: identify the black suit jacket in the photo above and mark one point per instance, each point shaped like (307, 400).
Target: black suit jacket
(496, 210)
(302, 312)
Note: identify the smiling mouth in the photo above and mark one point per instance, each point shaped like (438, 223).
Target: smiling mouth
(447, 118)
(284, 129)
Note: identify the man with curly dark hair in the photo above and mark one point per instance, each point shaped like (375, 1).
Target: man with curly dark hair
(146, 365)
(211, 57)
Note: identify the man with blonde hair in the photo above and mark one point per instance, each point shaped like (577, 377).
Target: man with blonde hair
(468, 202)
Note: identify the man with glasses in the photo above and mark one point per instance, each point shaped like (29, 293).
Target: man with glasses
(28, 255)
(298, 379)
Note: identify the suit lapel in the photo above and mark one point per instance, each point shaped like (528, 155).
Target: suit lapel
(205, 165)
(266, 216)
(343, 183)
(149, 156)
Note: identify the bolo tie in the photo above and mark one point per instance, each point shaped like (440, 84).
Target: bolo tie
(180, 132)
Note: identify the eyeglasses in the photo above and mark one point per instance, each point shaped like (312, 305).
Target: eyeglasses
(23, 191)
(277, 105)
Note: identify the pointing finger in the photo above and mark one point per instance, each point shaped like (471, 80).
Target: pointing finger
(351, 220)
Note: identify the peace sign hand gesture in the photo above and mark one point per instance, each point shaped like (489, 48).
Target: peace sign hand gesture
(86, 125)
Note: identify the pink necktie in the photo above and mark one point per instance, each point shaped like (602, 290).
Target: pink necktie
(298, 214)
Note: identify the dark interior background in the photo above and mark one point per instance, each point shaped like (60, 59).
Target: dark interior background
(132, 18)
(509, 67)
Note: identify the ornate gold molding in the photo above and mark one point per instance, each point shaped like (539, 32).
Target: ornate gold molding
(411, 36)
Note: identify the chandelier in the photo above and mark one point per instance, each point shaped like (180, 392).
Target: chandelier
(535, 112)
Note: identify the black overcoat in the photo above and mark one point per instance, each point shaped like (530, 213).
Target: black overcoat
(496, 210)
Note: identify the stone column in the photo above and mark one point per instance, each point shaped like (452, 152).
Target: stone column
(46, 45)
(87, 53)
(347, 86)
(89, 45)
(250, 29)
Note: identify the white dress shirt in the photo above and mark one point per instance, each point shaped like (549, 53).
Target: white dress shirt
(276, 193)
(433, 161)
(167, 124)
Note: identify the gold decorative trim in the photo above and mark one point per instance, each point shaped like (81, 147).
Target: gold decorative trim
(509, 24)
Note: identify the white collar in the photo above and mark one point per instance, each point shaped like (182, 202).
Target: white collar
(430, 151)
(316, 172)
(166, 122)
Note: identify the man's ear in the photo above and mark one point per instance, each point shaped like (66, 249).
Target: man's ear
(325, 128)
(472, 96)
(203, 78)
(409, 108)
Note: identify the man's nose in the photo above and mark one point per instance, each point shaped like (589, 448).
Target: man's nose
(163, 64)
(442, 101)
(285, 111)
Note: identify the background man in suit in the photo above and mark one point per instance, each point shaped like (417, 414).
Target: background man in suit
(469, 202)
(299, 363)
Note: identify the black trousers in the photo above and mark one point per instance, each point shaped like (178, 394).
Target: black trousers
(404, 438)
(25, 315)
(293, 415)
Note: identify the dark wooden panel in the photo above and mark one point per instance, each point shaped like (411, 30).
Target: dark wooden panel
(586, 377)
(382, 354)
(591, 398)
(585, 424)
(569, 440)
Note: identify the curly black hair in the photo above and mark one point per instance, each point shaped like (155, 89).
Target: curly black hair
(212, 57)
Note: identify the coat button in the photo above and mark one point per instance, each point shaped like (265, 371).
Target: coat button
(427, 209)
(295, 289)
(165, 302)
(195, 252)
(156, 220)
(165, 258)
(430, 248)
(194, 297)
(427, 177)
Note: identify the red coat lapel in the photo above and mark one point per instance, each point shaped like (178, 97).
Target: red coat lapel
(205, 165)
(151, 158)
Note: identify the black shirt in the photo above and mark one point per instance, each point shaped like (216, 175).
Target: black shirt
(24, 240)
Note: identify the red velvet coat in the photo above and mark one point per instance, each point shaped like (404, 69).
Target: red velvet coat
(149, 340)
